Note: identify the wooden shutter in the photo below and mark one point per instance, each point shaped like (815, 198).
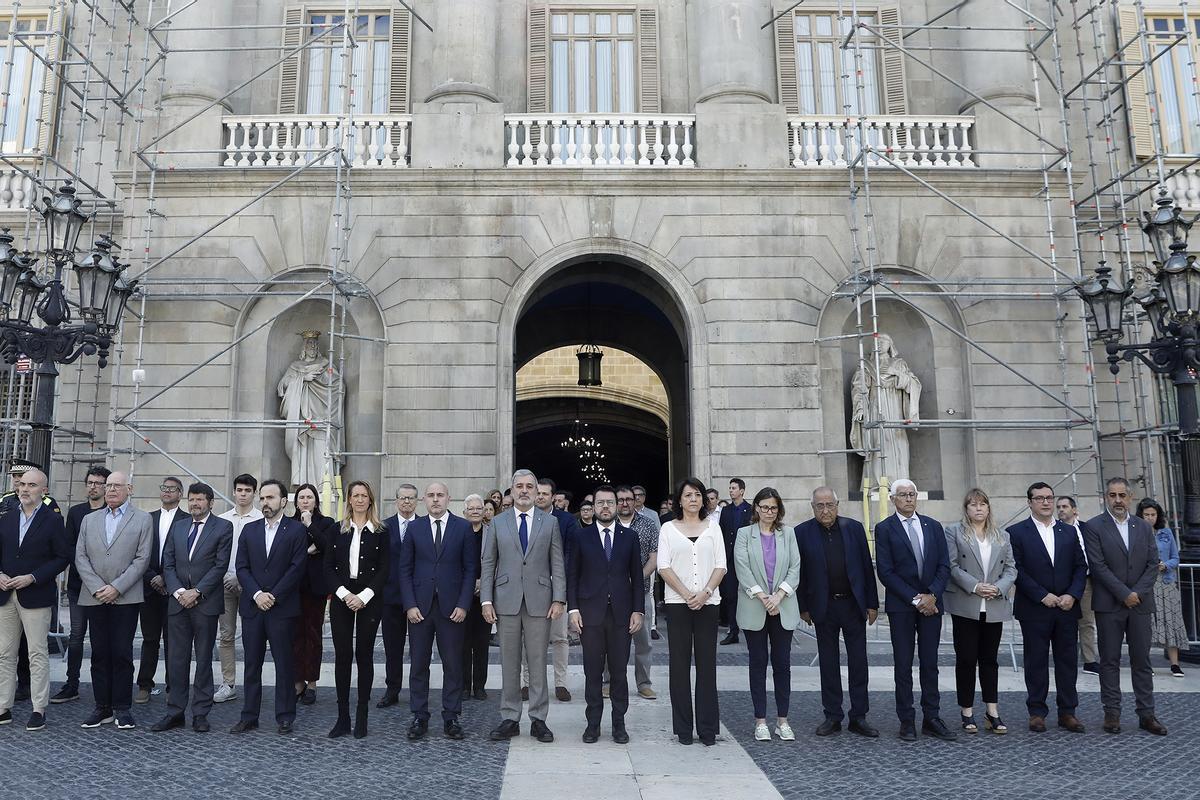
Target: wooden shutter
(785, 61)
(401, 33)
(649, 93)
(538, 101)
(56, 30)
(895, 88)
(289, 70)
(1141, 129)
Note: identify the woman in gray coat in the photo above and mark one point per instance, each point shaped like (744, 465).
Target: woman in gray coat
(982, 573)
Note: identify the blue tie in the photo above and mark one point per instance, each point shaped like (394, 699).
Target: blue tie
(523, 533)
(192, 536)
(608, 544)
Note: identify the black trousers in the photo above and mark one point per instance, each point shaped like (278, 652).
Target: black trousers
(606, 644)
(773, 643)
(914, 632)
(729, 599)
(154, 635)
(976, 648)
(436, 627)
(693, 633)
(1062, 632)
(191, 631)
(353, 642)
(843, 618)
(257, 632)
(112, 628)
(75, 642)
(475, 649)
(395, 631)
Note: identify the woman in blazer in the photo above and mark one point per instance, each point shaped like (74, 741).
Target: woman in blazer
(356, 569)
(767, 560)
(307, 643)
(982, 574)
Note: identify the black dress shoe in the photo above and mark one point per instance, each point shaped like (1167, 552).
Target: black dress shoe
(654, 634)
(539, 731)
(1150, 724)
(908, 732)
(200, 724)
(341, 727)
(453, 730)
(167, 723)
(708, 741)
(505, 730)
(829, 727)
(243, 726)
(417, 729)
(936, 728)
(731, 638)
(863, 728)
(388, 701)
(480, 694)
(591, 734)
(308, 697)
(285, 728)
(620, 735)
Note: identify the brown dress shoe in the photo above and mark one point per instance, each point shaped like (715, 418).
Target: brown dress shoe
(1112, 723)
(1070, 722)
(561, 694)
(1037, 724)
(1152, 725)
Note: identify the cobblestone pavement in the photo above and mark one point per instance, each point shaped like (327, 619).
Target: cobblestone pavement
(1055, 764)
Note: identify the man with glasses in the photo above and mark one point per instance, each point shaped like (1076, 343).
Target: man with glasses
(838, 596)
(1050, 577)
(395, 615)
(154, 606)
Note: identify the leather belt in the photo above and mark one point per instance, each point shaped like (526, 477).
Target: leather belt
(841, 596)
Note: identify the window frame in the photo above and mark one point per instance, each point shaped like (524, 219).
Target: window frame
(37, 101)
(366, 46)
(614, 37)
(1179, 101)
(842, 85)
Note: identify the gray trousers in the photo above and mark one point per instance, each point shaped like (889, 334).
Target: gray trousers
(190, 632)
(1133, 628)
(642, 648)
(1087, 627)
(523, 634)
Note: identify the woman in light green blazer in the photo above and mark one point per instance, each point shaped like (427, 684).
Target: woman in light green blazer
(767, 560)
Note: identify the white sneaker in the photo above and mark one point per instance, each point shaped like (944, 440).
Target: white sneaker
(226, 692)
(761, 733)
(785, 733)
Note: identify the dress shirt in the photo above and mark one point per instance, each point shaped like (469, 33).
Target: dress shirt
(916, 526)
(268, 540)
(24, 524)
(165, 518)
(239, 521)
(1079, 535)
(692, 562)
(1123, 529)
(835, 561)
(433, 526)
(1047, 534)
(112, 521)
(985, 555)
(192, 550)
(403, 523)
(355, 546)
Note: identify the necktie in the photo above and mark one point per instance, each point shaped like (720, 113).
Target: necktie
(608, 544)
(192, 536)
(437, 536)
(915, 541)
(523, 533)
(403, 528)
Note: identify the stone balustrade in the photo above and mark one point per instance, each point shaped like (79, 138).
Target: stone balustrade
(16, 189)
(294, 140)
(1184, 186)
(600, 140)
(911, 141)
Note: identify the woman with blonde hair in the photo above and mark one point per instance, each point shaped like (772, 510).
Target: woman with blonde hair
(982, 573)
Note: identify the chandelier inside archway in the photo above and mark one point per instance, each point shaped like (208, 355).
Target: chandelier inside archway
(589, 452)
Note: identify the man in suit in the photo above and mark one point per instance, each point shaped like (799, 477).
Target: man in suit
(560, 643)
(1068, 512)
(1123, 555)
(437, 582)
(395, 615)
(153, 614)
(734, 517)
(271, 559)
(914, 566)
(607, 605)
(33, 550)
(111, 555)
(194, 563)
(838, 595)
(1050, 576)
(522, 589)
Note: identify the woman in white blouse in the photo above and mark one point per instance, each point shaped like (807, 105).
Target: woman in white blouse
(691, 563)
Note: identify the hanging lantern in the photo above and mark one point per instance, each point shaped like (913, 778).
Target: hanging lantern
(589, 356)
(1166, 226)
(1105, 300)
(64, 221)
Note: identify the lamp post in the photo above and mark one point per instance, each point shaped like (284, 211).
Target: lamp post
(65, 328)
(1172, 304)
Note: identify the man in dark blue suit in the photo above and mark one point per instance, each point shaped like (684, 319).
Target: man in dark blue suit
(395, 617)
(838, 595)
(271, 558)
(437, 581)
(1051, 574)
(914, 566)
(606, 604)
(568, 528)
(734, 517)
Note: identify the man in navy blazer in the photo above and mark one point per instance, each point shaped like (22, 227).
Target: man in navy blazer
(1051, 573)
(437, 581)
(839, 596)
(914, 566)
(33, 549)
(394, 622)
(606, 604)
(271, 559)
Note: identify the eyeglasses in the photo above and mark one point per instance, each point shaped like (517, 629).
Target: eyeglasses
(604, 502)
(906, 495)
(767, 509)
(95, 483)
(825, 506)
(166, 487)
(114, 486)
(624, 500)
(1042, 499)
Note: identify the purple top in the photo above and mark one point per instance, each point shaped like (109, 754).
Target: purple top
(768, 546)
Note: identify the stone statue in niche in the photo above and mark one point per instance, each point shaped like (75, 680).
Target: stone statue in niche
(312, 398)
(899, 398)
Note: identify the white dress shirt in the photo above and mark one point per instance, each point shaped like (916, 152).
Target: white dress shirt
(239, 521)
(1079, 536)
(268, 540)
(916, 526)
(692, 562)
(985, 555)
(1123, 529)
(355, 548)
(433, 521)
(1047, 534)
(165, 518)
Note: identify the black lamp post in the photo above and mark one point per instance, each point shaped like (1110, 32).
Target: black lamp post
(101, 295)
(1172, 304)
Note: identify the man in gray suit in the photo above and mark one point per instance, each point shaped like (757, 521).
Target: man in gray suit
(194, 561)
(1123, 557)
(111, 556)
(523, 585)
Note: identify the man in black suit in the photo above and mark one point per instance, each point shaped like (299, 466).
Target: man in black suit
(33, 550)
(153, 613)
(734, 517)
(194, 563)
(838, 595)
(606, 604)
(1123, 555)
(437, 580)
(395, 615)
(1050, 578)
(271, 559)
(914, 567)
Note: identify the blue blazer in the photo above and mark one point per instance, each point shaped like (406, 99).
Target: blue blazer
(391, 590)
(568, 528)
(813, 593)
(451, 574)
(279, 574)
(897, 564)
(45, 552)
(1037, 577)
(594, 581)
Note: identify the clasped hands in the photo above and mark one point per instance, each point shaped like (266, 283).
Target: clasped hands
(8, 584)
(1064, 602)
(772, 601)
(926, 604)
(265, 601)
(188, 597)
(987, 591)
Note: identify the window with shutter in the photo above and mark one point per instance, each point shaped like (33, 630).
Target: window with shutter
(32, 90)
(1135, 86)
(1174, 83)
